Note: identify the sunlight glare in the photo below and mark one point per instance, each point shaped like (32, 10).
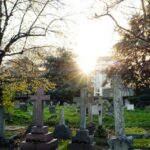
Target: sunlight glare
(92, 42)
(87, 66)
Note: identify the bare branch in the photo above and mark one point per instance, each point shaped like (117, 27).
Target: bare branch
(19, 36)
(38, 16)
(27, 49)
(23, 18)
(8, 16)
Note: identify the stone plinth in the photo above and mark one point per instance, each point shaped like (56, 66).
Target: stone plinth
(82, 141)
(62, 132)
(91, 127)
(39, 139)
(120, 143)
(52, 145)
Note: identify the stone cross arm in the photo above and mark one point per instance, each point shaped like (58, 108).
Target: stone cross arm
(39, 97)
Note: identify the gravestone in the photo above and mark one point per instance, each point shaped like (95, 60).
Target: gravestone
(39, 138)
(120, 141)
(130, 107)
(82, 140)
(23, 106)
(90, 102)
(100, 135)
(52, 108)
(100, 111)
(62, 131)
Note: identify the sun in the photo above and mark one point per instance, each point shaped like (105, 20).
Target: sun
(91, 42)
(87, 66)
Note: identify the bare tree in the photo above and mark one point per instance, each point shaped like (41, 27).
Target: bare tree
(23, 20)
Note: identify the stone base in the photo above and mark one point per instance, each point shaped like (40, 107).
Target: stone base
(39, 137)
(82, 141)
(91, 127)
(81, 146)
(52, 145)
(39, 130)
(101, 141)
(118, 144)
(62, 132)
(82, 136)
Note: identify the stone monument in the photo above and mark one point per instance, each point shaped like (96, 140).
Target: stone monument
(119, 141)
(62, 131)
(82, 140)
(91, 126)
(39, 138)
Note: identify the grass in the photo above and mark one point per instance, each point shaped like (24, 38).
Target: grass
(138, 118)
(137, 122)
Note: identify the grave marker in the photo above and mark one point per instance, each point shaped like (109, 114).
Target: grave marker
(82, 140)
(120, 141)
(39, 136)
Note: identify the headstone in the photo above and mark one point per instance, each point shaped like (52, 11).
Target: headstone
(130, 107)
(120, 141)
(62, 131)
(39, 138)
(23, 106)
(52, 108)
(90, 102)
(100, 137)
(82, 140)
(95, 110)
(100, 110)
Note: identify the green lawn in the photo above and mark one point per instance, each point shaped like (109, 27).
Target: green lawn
(137, 122)
(139, 118)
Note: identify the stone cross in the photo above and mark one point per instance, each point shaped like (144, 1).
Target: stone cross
(90, 101)
(39, 97)
(83, 102)
(118, 106)
(100, 110)
(62, 117)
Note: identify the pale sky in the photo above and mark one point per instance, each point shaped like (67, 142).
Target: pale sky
(88, 37)
(92, 38)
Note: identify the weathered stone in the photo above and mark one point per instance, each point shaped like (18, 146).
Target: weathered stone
(62, 132)
(91, 128)
(100, 132)
(39, 97)
(23, 106)
(118, 106)
(39, 130)
(39, 137)
(81, 146)
(118, 144)
(52, 109)
(52, 145)
(82, 136)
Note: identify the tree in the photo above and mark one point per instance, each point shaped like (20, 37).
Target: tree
(21, 20)
(22, 76)
(132, 52)
(63, 70)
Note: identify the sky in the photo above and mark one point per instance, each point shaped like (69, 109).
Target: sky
(88, 37)
(91, 38)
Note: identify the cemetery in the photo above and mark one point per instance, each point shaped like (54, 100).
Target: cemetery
(74, 75)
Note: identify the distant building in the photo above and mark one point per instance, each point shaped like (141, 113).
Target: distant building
(100, 77)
